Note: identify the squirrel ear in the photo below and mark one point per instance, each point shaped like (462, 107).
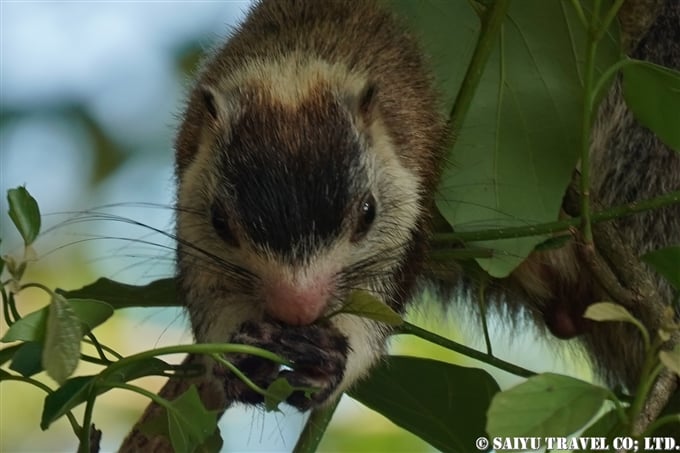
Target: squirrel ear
(367, 101)
(364, 104)
(215, 104)
(209, 101)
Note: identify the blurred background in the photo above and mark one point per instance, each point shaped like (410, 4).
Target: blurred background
(90, 93)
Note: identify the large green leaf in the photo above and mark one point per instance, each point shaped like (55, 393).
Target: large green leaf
(545, 405)
(444, 404)
(448, 31)
(653, 94)
(159, 293)
(666, 262)
(518, 145)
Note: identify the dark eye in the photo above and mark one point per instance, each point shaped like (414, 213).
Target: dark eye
(221, 225)
(365, 218)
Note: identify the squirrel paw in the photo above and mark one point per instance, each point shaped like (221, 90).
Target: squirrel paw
(318, 353)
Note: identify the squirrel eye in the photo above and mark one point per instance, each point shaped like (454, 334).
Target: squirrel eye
(221, 225)
(365, 218)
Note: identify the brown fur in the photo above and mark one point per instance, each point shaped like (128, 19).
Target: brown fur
(288, 93)
(379, 47)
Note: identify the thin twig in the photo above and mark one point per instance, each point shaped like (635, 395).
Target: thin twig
(443, 239)
(408, 328)
(315, 427)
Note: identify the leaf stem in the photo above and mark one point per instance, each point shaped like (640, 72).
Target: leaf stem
(5, 307)
(152, 396)
(623, 418)
(586, 122)
(86, 429)
(103, 347)
(608, 18)
(200, 348)
(99, 348)
(239, 374)
(94, 360)
(11, 303)
(411, 329)
(491, 27)
(608, 74)
(650, 371)
(576, 4)
(315, 427)
(37, 285)
(442, 239)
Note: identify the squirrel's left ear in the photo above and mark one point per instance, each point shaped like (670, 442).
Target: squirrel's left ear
(363, 104)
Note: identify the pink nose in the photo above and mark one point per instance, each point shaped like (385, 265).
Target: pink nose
(296, 305)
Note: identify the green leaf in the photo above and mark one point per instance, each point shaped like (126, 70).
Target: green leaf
(444, 404)
(189, 423)
(277, 392)
(156, 425)
(32, 326)
(6, 354)
(61, 351)
(137, 369)
(544, 405)
(671, 359)
(29, 328)
(653, 94)
(666, 262)
(91, 312)
(518, 146)
(76, 390)
(159, 426)
(608, 426)
(448, 31)
(24, 212)
(28, 359)
(366, 305)
(160, 293)
(213, 444)
(72, 393)
(609, 311)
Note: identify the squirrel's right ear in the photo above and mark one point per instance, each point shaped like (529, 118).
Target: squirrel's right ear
(363, 104)
(215, 105)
